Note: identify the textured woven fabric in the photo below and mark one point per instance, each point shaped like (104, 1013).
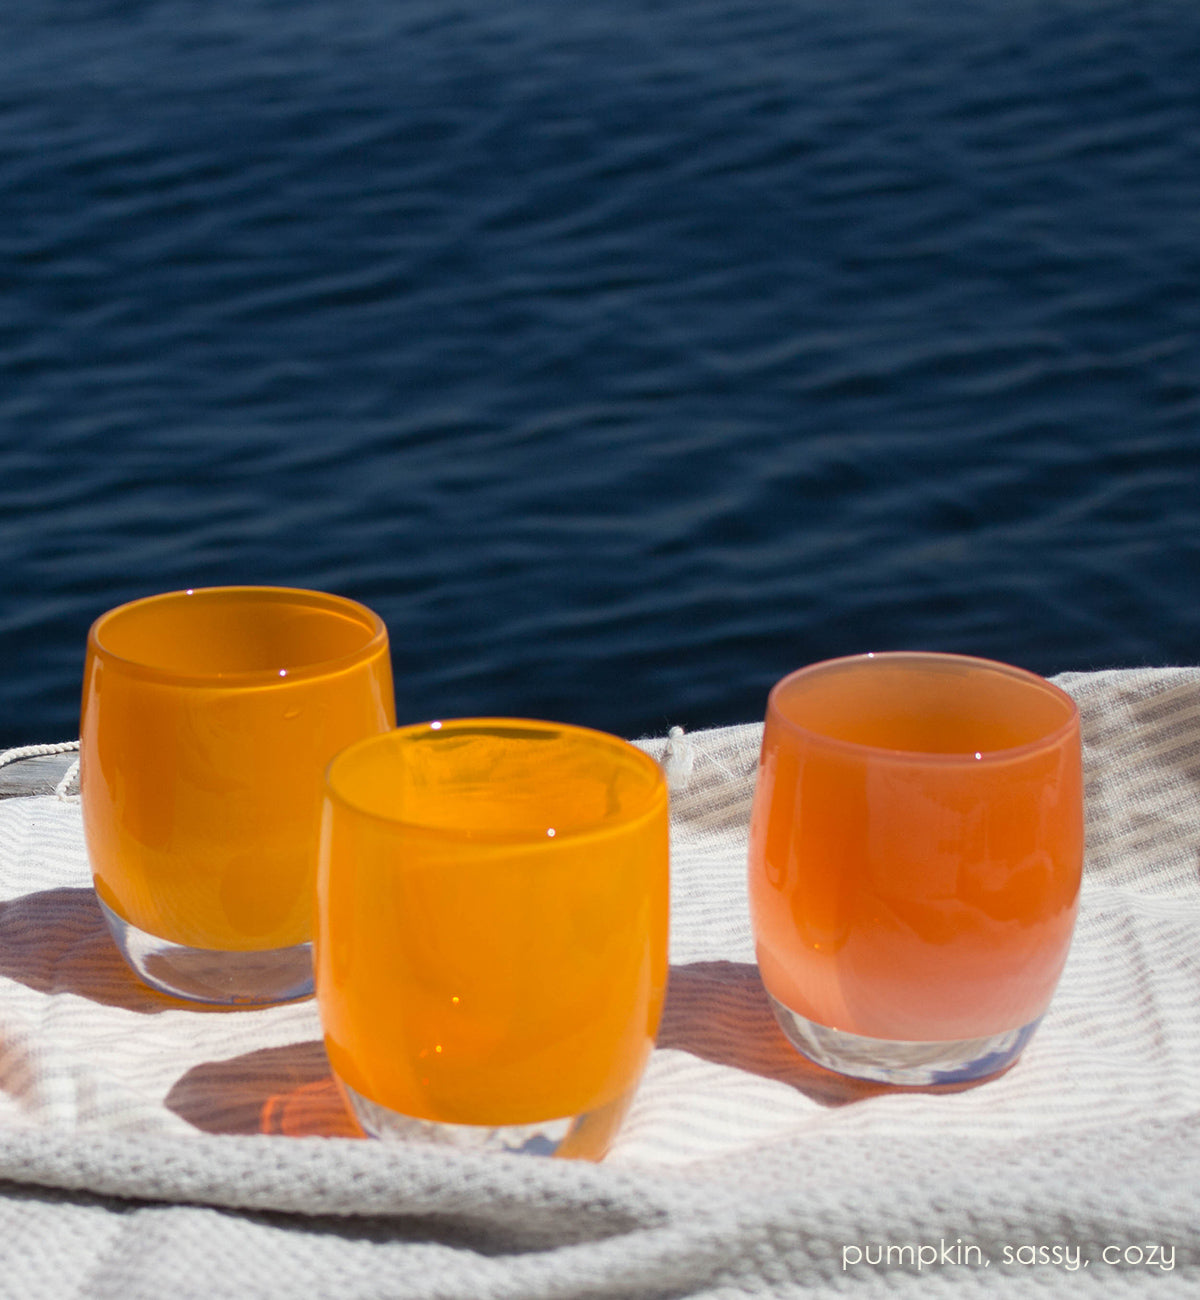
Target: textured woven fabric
(151, 1150)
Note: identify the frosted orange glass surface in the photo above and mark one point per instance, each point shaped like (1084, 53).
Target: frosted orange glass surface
(916, 846)
(491, 943)
(208, 720)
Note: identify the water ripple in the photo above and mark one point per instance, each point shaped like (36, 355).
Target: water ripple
(623, 356)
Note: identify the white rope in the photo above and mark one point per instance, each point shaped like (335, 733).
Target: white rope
(68, 777)
(36, 751)
(42, 751)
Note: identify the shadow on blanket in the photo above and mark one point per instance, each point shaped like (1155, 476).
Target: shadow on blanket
(288, 1091)
(57, 941)
(718, 1010)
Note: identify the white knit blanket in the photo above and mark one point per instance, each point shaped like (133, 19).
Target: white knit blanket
(150, 1150)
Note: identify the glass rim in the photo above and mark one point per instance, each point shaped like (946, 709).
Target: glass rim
(300, 596)
(657, 799)
(965, 759)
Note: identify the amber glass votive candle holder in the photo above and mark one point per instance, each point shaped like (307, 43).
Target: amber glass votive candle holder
(209, 716)
(916, 850)
(491, 942)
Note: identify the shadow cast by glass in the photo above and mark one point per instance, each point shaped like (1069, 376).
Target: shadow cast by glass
(57, 941)
(720, 1012)
(284, 1091)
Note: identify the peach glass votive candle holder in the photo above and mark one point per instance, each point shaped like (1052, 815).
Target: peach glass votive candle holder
(916, 850)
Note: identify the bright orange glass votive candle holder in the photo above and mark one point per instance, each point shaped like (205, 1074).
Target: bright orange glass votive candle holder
(208, 719)
(491, 942)
(916, 849)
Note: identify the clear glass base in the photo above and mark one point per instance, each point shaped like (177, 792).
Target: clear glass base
(903, 1062)
(584, 1137)
(221, 978)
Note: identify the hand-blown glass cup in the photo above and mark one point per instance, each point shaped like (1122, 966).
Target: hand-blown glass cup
(916, 848)
(208, 719)
(491, 943)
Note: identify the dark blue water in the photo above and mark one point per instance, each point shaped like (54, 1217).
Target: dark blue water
(623, 356)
